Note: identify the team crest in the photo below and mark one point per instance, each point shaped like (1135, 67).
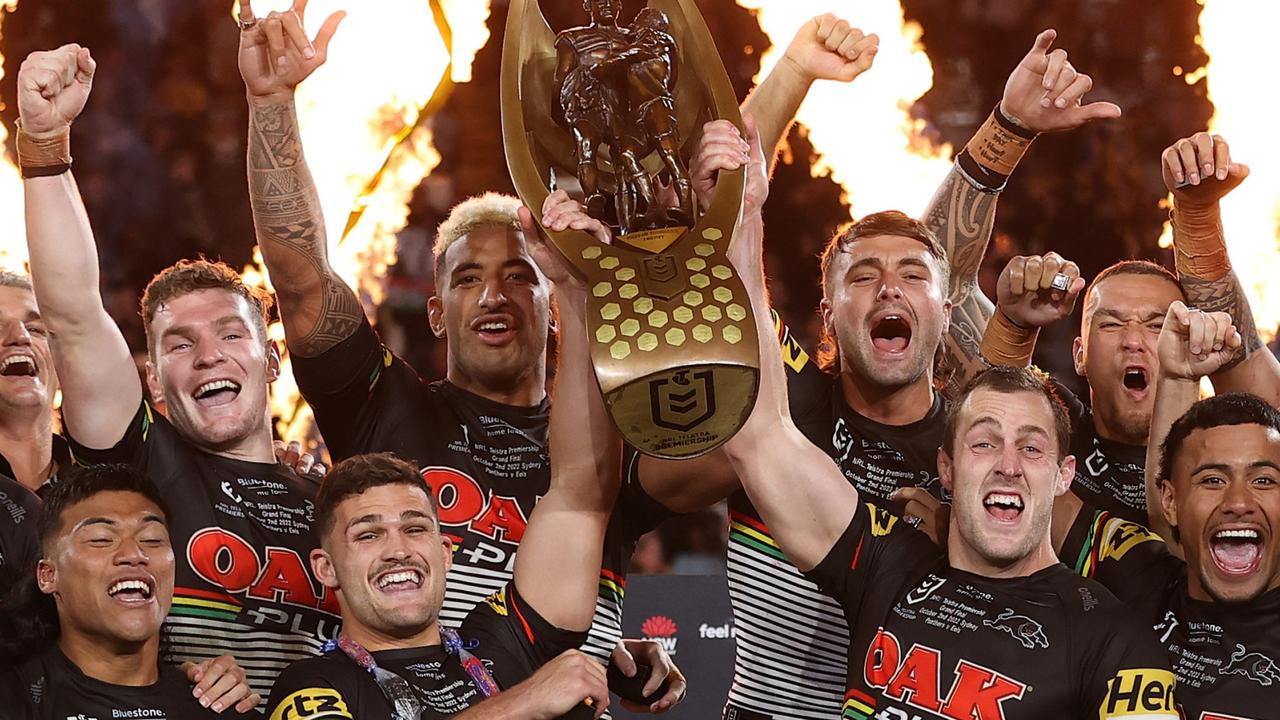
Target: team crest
(683, 401)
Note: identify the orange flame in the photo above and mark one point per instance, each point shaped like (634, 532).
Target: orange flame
(13, 228)
(1231, 34)
(862, 132)
(361, 118)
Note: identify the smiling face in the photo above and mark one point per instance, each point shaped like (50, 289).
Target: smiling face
(212, 367)
(1004, 473)
(886, 305)
(1224, 500)
(495, 308)
(110, 569)
(1117, 351)
(387, 561)
(27, 380)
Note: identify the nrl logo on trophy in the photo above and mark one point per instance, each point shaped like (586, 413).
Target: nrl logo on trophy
(611, 111)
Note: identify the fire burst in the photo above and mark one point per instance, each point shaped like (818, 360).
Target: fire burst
(13, 228)
(863, 132)
(1233, 35)
(362, 122)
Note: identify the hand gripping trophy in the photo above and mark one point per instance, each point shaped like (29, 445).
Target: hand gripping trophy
(616, 110)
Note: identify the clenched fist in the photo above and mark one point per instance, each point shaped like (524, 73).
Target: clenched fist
(53, 87)
(1198, 170)
(828, 48)
(1194, 343)
(1026, 292)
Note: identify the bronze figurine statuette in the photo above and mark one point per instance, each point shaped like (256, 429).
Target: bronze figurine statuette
(615, 110)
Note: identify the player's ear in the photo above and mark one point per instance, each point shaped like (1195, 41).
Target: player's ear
(46, 577)
(1169, 503)
(273, 361)
(828, 322)
(322, 566)
(944, 469)
(1066, 474)
(153, 383)
(435, 315)
(946, 317)
(447, 550)
(1077, 355)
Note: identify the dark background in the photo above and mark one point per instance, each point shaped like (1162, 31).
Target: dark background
(160, 150)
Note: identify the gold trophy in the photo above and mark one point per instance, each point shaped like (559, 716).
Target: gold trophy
(618, 108)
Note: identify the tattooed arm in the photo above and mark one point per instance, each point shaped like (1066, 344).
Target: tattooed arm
(319, 310)
(1198, 171)
(1043, 94)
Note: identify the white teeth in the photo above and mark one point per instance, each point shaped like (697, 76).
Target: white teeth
(1245, 534)
(399, 577)
(130, 586)
(17, 359)
(1001, 499)
(216, 385)
(498, 326)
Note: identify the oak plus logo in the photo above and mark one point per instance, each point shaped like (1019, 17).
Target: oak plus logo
(915, 677)
(662, 630)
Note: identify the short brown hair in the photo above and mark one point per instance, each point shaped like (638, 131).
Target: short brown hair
(8, 278)
(359, 473)
(1009, 380)
(188, 276)
(888, 222)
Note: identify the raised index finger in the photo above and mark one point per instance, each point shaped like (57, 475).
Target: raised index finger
(246, 11)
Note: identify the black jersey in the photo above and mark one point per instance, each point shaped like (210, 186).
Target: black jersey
(242, 535)
(51, 687)
(486, 463)
(930, 641)
(1109, 474)
(508, 635)
(1226, 656)
(19, 538)
(803, 677)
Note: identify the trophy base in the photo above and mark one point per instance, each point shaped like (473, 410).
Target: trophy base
(684, 412)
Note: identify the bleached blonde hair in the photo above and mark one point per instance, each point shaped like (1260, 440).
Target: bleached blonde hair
(487, 210)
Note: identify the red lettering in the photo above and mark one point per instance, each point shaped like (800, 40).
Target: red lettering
(459, 497)
(882, 659)
(223, 559)
(978, 693)
(284, 580)
(916, 681)
(502, 514)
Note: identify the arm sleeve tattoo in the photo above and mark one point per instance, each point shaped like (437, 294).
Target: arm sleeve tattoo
(317, 307)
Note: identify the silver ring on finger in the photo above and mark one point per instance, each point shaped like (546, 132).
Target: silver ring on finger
(1060, 282)
(246, 24)
(912, 520)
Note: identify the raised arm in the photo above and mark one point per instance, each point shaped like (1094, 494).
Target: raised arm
(824, 48)
(1192, 344)
(316, 306)
(1033, 291)
(558, 567)
(800, 492)
(1043, 94)
(1199, 172)
(100, 385)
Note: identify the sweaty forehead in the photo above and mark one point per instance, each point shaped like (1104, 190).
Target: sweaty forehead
(888, 250)
(486, 245)
(1132, 295)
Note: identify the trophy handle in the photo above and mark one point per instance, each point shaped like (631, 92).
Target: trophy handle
(673, 339)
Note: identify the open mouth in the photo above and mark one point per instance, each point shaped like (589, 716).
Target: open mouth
(891, 333)
(19, 366)
(398, 580)
(216, 392)
(1236, 551)
(133, 591)
(1135, 379)
(494, 331)
(1005, 507)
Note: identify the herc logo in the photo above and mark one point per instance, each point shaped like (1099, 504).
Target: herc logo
(1145, 693)
(914, 678)
(662, 630)
(230, 562)
(462, 502)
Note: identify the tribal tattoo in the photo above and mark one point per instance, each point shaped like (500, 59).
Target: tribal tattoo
(1225, 295)
(962, 215)
(290, 231)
